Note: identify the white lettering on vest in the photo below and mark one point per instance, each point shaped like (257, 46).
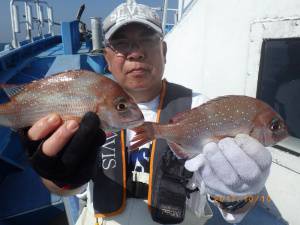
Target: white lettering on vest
(109, 163)
(139, 165)
(108, 153)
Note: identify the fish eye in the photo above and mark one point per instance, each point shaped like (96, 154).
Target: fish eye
(275, 124)
(121, 106)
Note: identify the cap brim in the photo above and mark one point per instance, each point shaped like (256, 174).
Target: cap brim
(116, 27)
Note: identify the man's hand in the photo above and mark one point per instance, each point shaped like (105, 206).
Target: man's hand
(64, 152)
(233, 168)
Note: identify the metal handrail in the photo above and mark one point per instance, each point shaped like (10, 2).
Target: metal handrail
(15, 21)
(178, 12)
(164, 15)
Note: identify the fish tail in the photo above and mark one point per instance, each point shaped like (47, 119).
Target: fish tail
(144, 133)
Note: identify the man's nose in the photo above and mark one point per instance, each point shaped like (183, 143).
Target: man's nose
(136, 52)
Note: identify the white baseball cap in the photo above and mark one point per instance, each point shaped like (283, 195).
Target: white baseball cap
(131, 12)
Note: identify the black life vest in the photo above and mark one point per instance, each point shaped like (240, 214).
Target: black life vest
(167, 180)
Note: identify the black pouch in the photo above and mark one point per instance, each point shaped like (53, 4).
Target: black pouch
(169, 197)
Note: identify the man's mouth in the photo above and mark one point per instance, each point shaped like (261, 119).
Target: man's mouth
(137, 71)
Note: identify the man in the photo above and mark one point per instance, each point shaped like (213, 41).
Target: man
(70, 154)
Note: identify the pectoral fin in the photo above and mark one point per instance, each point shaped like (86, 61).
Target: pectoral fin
(144, 134)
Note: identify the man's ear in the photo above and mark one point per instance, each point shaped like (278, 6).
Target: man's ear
(106, 59)
(165, 48)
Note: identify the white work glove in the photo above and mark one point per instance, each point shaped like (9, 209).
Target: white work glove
(235, 167)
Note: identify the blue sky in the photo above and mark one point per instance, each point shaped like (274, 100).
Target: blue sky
(66, 10)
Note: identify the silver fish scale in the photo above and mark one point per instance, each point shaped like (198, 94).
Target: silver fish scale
(54, 86)
(64, 105)
(64, 95)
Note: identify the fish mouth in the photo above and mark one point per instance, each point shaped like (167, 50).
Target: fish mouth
(281, 135)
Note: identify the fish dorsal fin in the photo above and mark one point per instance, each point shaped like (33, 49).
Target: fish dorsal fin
(218, 99)
(12, 89)
(182, 115)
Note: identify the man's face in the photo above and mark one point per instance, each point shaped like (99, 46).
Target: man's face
(136, 56)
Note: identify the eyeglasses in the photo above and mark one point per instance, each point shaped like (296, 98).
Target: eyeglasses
(125, 46)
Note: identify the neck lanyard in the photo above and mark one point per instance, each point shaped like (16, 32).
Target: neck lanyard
(161, 102)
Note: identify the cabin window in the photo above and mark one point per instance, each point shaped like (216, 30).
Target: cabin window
(279, 83)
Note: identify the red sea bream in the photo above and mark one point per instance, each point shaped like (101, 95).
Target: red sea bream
(70, 94)
(225, 116)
